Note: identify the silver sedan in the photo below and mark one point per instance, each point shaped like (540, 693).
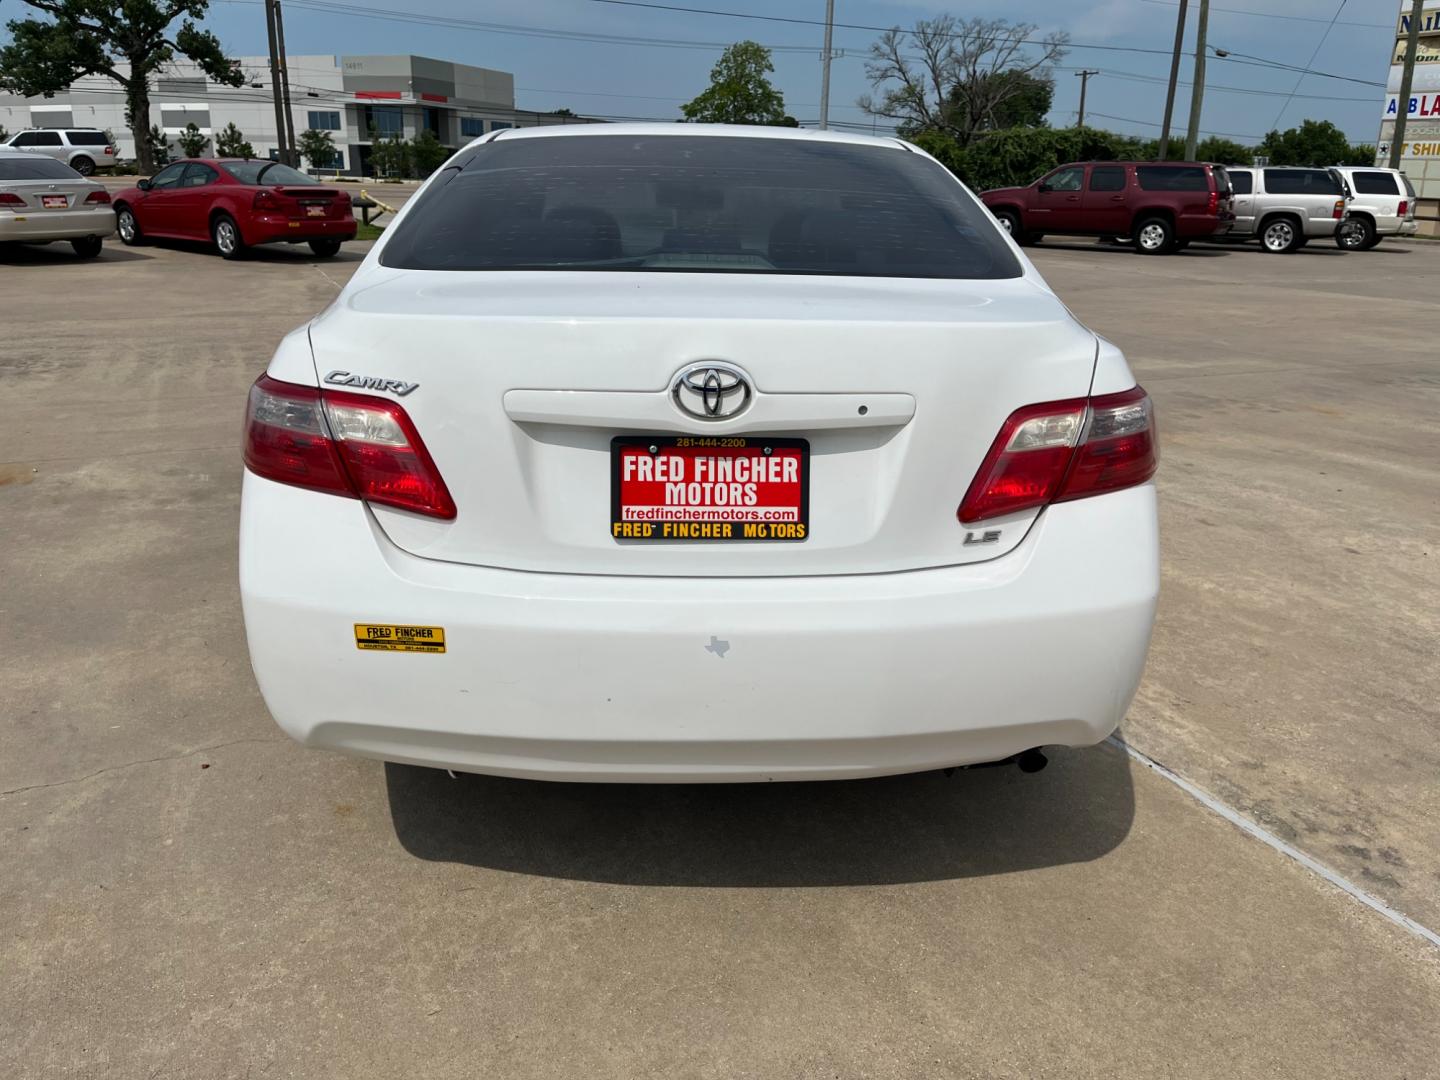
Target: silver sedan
(42, 200)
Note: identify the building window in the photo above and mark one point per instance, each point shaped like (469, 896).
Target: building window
(430, 118)
(497, 125)
(471, 126)
(324, 121)
(387, 120)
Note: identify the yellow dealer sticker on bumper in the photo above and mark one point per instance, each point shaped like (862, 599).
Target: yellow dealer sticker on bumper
(400, 638)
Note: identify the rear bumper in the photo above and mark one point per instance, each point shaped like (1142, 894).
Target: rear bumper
(1321, 227)
(1408, 227)
(1198, 226)
(575, 677)
(275, 229)
(57, 224)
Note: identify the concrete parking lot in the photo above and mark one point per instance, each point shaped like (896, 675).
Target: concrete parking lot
(185, 893)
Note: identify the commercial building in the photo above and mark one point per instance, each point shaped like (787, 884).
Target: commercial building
(354, 98)
(1420, 156)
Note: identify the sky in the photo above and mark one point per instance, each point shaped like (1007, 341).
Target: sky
(638, 62)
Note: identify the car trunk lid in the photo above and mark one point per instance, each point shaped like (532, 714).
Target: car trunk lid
(519, 383)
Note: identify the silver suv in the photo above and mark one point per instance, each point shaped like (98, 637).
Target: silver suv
(1383, 205)
(84, 149)
(1286, 207)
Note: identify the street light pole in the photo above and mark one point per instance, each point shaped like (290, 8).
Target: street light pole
(291, 157)
(1197, 90)
(825, 66)
(1174, 78)
(1084, 76)
(1407, 80)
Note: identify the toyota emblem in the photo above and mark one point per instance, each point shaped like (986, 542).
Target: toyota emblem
(712, 391)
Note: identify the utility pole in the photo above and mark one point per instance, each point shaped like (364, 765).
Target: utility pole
(291, 156)
(1197, 89)
(270, 6)
(1084, 76)
(1174, 78)
(825, 66)
(1407, 79)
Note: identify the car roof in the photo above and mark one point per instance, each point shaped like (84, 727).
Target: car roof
(717, 131)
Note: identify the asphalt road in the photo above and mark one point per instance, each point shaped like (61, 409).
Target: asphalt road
(187, 894)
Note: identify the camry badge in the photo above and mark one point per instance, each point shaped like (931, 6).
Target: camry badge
(370, 382)
(712, 391)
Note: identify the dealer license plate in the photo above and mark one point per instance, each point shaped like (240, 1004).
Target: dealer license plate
(54, 202)
(708, 488)
(315, 211)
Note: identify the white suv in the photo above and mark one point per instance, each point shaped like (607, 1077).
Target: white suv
(1383, 205)
(85, 150)
(689, 453)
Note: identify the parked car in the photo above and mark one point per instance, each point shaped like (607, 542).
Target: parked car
(1161, 205)
(1285, 207)
(42, 200)
(1382, 204)
(236, 205)
(86, 150)
(658, 453)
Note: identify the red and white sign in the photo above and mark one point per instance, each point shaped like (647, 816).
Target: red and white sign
(54, 202)
(709, 488)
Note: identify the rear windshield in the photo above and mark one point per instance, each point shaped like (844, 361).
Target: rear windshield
(1409, 187)
(1172, 178)
(87, 138)
(683, 203)
(1222, 179)
(266, 173)
(34, 167)
(1301, 182)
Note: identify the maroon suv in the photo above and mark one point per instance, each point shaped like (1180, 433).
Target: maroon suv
(1160, 205)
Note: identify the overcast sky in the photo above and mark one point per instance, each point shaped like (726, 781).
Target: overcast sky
(635, 79)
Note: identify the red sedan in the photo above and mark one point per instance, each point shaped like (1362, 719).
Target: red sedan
(235, 205)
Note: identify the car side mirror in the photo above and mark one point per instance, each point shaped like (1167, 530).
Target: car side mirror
(143, 185)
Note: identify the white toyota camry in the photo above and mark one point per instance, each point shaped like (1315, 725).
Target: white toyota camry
(677, 453)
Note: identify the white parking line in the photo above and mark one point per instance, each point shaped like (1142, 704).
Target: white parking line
(1266, 837)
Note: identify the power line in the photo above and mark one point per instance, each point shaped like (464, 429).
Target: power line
(1301, 77)
(1147, 123)
(1273, 15)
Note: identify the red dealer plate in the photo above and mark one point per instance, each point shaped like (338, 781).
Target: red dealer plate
(54, 202)
(709, 488)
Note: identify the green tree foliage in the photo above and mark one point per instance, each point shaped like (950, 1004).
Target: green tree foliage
(1314, 142)
(318, 148)
(231, 142)
(1223, 151)
(739, 91)
(961, 77)
(95, 37)
(159, 147)
(426, 152)
(389, 157)
(192, 141)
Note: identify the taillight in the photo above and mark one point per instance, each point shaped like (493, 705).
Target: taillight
(8, 199)
(1063, 450)
(109, 151)
(1214, 205)
(345, 444)
(100, 198)
(1339, 211)
(265, 200)
(1404, 206)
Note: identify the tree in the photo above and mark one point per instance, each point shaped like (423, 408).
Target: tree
(970, 75)
(1314, 142)
(231, 142)
(389, 157)
(426, 153)
(318, 148)
(159, 147)
(1223, 151)
(192, 141)
(739, 92)
(561, 112)
(1021, 99)
(95, 37)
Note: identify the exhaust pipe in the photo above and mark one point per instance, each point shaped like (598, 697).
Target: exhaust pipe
(1032, 760)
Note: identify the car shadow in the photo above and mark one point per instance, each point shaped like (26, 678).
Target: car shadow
(287, 254)
(59, 253)
(1127, 249)
(923, 827)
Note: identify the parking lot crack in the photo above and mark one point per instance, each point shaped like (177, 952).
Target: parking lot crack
(131, 764)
